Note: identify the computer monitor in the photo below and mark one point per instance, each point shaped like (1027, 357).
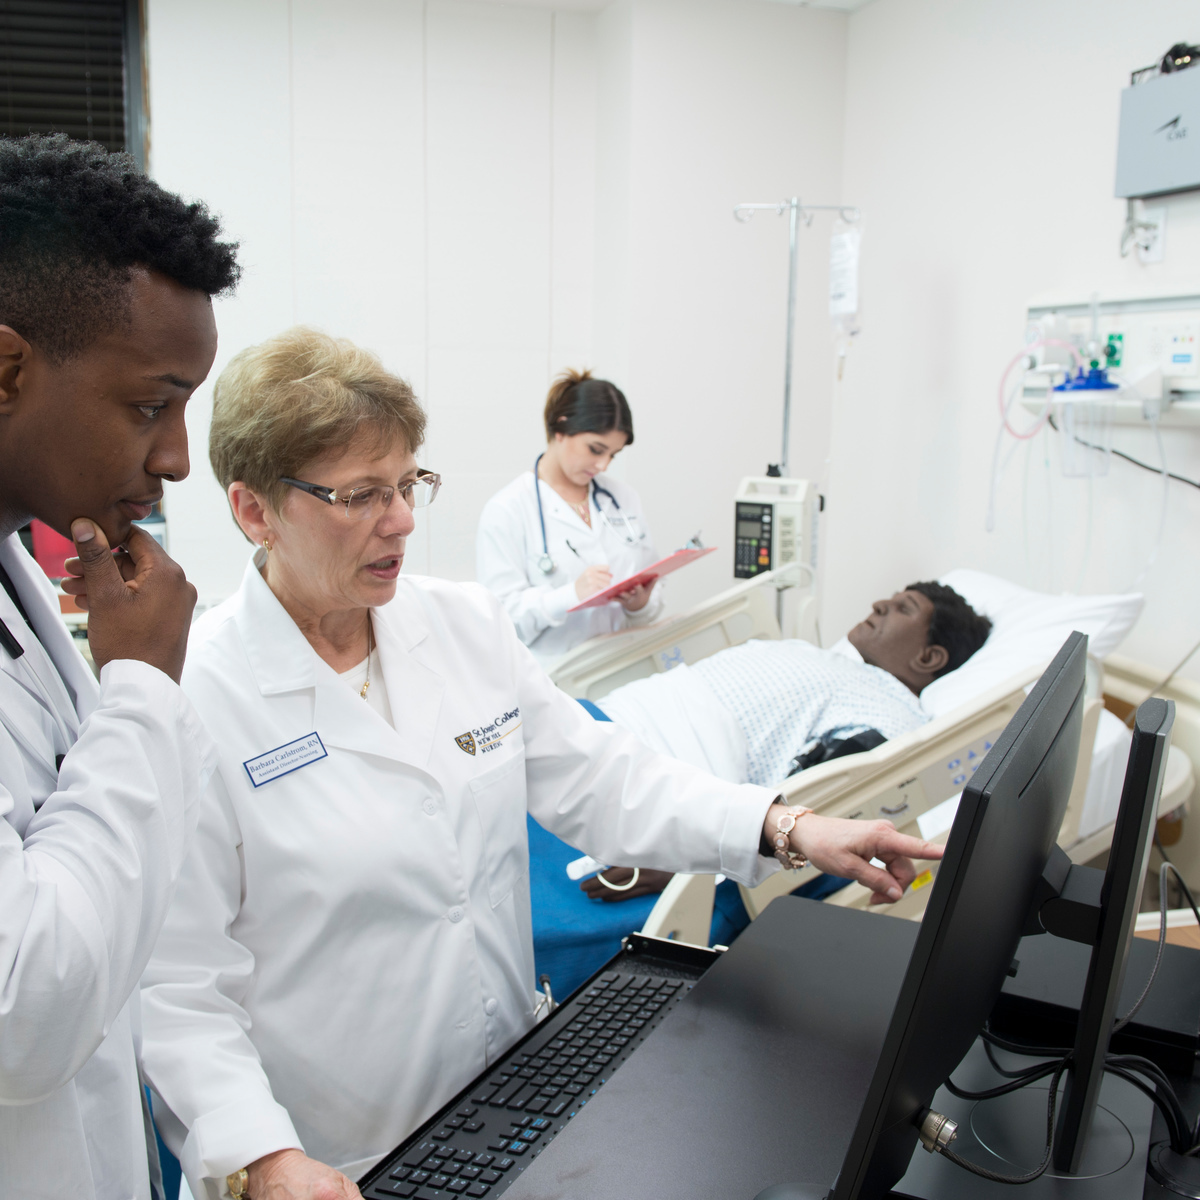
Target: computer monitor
(1120, 898)
(1002, 870)
(1003, 837)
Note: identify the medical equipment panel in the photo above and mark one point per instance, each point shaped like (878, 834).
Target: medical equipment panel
(1158, 147)
(1149, 344)
(775, 525)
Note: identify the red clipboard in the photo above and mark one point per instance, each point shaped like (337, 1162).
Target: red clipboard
(657, 570)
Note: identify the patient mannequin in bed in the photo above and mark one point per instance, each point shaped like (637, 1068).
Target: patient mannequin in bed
(761, 711)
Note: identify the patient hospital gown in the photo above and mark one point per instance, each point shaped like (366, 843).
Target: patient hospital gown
(781, 696)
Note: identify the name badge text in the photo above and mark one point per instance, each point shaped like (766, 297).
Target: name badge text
(283, 760)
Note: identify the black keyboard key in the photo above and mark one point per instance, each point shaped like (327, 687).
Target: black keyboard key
(498, 1144)
(401, 1173)
(490, 1177)
(436, 1153)
(539, 1123)
(396, 1188)
(439, 1180)
(473, 1126)
(419, 1177)
(484, 1094)
(484, 1160)
(456, 1122)
(467, 1112)
(572, 1089)
(530, 1135)
(519, 1122)
(463, 1156)
(470, 1173)
(417, 1155)
(558, 1108)
(442, 1134)
(537, 1104)
(457, 1185)
(425, 1194)
(503, 1096)
(450, 1167)
(505, 1163)
(517, 1148)
(518, 1101)
(478, 1189)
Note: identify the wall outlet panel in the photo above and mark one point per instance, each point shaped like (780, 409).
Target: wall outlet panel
(1146, 333)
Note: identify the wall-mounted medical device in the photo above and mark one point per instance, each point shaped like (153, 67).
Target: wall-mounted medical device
(775, 525)
(1150, 346)
(1158, 148)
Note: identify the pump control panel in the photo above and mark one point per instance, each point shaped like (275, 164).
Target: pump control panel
(753, 539)
(775, 525)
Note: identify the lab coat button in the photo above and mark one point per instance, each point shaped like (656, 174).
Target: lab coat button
(429, 807)
(491, 1006)
(455, 915)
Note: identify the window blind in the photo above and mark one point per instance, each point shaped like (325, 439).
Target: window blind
(63, 69)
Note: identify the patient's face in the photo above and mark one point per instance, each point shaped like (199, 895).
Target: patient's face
(895, 636)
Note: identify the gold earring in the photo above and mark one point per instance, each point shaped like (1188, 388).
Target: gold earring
(266, 545)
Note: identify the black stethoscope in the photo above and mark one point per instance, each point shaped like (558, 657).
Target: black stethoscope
(546, 563)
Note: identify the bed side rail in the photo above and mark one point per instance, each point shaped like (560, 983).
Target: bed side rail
(737, 615)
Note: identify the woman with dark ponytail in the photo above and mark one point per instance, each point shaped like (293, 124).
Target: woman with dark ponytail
(564, 531)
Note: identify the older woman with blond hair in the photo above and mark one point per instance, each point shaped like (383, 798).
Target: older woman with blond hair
(350, 941)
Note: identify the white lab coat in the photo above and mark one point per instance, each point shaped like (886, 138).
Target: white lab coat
(88, 858)
(508, 546)
(350, 942)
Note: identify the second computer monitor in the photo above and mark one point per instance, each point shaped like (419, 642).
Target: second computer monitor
(1003, 836)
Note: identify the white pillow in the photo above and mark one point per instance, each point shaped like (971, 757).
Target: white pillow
(1028, 629)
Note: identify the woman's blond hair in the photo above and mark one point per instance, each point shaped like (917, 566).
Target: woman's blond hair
(281, 404)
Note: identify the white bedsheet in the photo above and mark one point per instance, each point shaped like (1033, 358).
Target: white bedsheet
(677, 714)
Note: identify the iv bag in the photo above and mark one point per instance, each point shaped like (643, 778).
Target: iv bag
(843, 284)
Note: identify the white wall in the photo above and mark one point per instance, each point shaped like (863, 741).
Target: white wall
(706, 103)
(440, 182)
(417, 177)
(981, 143)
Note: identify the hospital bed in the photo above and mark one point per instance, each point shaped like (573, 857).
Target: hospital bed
(909, 780)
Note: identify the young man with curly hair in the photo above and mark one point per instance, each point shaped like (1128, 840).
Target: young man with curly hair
(106, 329)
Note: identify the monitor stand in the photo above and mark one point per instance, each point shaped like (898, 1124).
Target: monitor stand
(1007, 1134)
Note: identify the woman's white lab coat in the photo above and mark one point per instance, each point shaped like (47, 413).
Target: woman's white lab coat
(350, 943)
(89, 854)
(508, 548)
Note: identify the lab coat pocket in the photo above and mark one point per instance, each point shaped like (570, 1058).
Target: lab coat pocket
(500, 802)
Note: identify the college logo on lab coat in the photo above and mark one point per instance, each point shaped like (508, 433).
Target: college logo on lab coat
(466, 742)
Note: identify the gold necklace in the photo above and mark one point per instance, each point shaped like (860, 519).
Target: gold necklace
(370, 647)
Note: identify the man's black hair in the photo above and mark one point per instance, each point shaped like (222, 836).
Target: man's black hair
(955, 625)
(74, 220)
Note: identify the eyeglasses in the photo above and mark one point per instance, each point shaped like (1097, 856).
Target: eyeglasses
(371, 501)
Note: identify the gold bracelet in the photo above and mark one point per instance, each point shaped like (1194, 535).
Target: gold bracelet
(237, 1183)
(792, 860)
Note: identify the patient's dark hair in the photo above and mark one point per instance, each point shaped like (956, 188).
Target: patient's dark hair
(74, 220)
(955, 625)
(577, 403)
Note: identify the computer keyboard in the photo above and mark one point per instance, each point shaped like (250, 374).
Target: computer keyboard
(508, 1117)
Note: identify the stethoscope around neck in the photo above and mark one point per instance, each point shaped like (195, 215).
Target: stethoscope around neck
(545, 564)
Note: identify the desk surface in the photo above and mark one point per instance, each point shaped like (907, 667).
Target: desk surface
(756, 1079)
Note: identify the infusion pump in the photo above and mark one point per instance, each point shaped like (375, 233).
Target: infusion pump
(775, 525)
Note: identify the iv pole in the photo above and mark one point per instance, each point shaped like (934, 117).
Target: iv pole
(797, 212)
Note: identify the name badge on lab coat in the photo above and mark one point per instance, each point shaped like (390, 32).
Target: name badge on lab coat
(283, 760)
